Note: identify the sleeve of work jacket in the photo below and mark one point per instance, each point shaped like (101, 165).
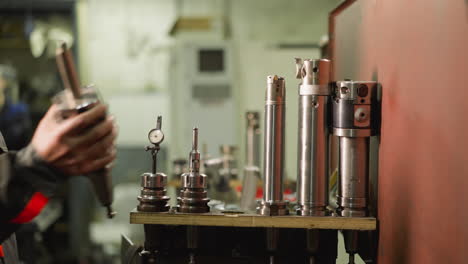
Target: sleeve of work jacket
(26, 183)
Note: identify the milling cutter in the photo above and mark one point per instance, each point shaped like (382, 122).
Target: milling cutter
(312, 145)
(356, 117)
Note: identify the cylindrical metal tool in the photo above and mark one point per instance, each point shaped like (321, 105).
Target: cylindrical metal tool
(101, 179)
(356, 117)
(273, 151)
(193, 196)
(312, 146)
(251, 168)
(312, 167)
(77, 100)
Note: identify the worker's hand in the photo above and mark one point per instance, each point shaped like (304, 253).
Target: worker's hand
(79, 144)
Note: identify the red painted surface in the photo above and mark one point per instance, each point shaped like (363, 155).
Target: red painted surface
(32, 209)
(419, 52)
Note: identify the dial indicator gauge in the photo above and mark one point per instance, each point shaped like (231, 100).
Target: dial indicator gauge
(155, 136)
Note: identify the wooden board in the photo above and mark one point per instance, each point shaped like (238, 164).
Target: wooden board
(251, 220)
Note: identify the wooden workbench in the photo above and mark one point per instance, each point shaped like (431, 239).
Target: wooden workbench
(252, 220)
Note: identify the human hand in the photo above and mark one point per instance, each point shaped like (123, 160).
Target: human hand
(78, 145)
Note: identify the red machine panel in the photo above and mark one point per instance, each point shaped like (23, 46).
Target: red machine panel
(418, 50)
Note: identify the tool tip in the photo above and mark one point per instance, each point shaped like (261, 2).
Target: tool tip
(61, 47)
(110, 212)
(195, 139)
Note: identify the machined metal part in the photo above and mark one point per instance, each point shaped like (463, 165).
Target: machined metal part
(153, 196)
(193, 197)
(273, 152)
(353, 171)
(102, 185)
(356, 117)
(355, 107)
(251, 168)
(69, 106)
(313, 141)
(75, 100)
(314, 116)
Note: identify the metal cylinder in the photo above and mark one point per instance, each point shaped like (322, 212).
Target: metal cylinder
(354, 175)
(153, 196)
(313, 134)
(70, 106)
(355, 119)
(273, 151)
(193, 197)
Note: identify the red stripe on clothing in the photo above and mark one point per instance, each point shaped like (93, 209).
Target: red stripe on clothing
(2, 254)
(32, 209)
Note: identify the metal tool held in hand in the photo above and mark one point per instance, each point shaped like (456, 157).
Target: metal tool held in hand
(81, 102)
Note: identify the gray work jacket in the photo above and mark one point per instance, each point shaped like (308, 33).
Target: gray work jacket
(26, 184)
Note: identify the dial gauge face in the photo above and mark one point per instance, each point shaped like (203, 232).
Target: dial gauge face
(156, 136)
